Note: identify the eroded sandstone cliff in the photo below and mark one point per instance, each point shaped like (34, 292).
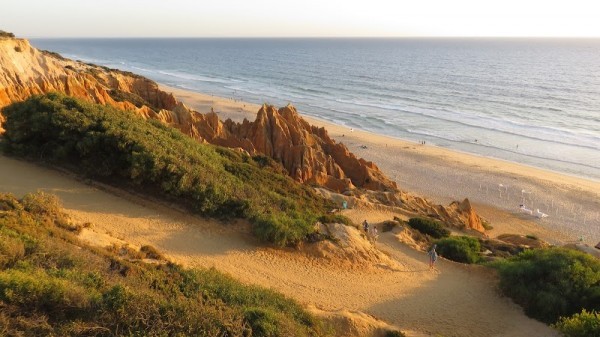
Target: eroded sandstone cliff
(306, 152)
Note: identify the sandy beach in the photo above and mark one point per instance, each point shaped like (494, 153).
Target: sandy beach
(495, 187)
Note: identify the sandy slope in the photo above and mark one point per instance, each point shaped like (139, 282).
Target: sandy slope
(454, 301)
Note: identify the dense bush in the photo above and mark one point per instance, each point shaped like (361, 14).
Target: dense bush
(6, 34)
(56, 56)
(335, 218)
(58, 286)
(463, 249)
(118, 146)
(584, 324)
(553, 282)
(429, 227)
(394, 333)
(138, 101)
(389, 225)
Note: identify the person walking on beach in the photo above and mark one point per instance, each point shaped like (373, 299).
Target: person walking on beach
(432, 257)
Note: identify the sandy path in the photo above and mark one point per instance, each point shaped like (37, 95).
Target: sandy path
(443, 175)
(455, 301)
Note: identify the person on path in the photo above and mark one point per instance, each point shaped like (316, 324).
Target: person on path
(375, 233)
(432, 257)
(366, 227)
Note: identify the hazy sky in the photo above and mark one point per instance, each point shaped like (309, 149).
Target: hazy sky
(254, 18)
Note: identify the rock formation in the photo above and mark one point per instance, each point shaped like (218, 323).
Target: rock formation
(306, 152)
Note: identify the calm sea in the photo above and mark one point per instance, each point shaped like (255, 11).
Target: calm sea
(531, 101)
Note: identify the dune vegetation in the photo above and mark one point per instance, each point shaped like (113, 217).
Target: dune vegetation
(119, 147)
(584, 324)
(551, 283)
(7, 34)
(464, 249)
(429, 227)
(53, 284)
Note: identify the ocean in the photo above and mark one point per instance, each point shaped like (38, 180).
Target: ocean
(530, 101)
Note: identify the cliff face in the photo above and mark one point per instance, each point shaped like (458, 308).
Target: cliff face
(26, 71)
(307, 153)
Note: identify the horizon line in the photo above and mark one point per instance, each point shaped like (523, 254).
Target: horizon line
(316, 37)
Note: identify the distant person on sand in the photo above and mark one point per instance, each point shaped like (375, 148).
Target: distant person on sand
(432, 257)
(366, 226)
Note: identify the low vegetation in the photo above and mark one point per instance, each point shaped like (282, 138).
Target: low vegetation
(464, 249)
(54, 55)
(389, 225)
(121, 96)
(51, 284)
(7, 34)
(429, 227)
(119, 147)
(584, 324)
(552, 282)
(394, 333)
(335, 218)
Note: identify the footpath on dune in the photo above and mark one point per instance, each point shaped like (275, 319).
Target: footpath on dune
(455, 300)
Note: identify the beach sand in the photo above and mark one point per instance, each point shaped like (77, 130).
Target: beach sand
(495, 187)
(454, 300)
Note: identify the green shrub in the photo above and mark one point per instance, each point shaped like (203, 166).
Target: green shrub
(389, 225)
(263, 322)
(486, 225)
(584, 324)
(118, 146)
(532, 237)
(121, 96)
(8, 202)
(463, 249)
(335, 218)
(6, 34)
(65, 288)
(42, 203)
(54, 55)
(429, 227)
(151, 253)
(40, 291)
(394, 333)
(553, 282)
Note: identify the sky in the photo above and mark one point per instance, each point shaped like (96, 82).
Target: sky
(305, 18)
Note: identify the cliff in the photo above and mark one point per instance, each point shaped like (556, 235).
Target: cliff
(306, 152)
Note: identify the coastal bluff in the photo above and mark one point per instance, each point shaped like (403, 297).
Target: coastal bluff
(306, 152)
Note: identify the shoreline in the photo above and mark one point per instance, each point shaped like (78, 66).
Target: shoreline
(496, 187)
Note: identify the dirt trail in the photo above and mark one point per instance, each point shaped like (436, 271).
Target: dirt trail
(455, 300)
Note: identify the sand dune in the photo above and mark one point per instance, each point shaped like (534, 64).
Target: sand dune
(456, 300)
